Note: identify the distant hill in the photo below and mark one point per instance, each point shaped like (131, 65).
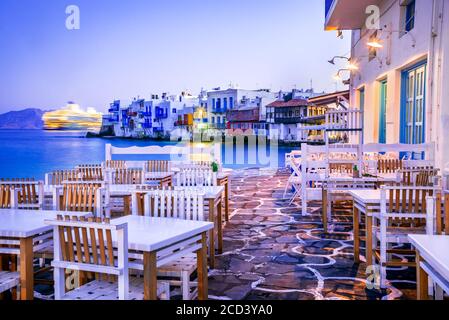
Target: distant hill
(24, 119)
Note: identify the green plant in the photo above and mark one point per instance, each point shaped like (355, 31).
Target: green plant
(356, 168)
(214, 167)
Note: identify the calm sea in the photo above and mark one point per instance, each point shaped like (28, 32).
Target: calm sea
(32, 153)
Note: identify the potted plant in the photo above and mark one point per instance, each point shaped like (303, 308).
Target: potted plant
(215, 167)
(356, 172)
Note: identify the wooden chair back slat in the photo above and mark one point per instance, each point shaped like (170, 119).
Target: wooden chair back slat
(115, 164)
(158, 166)
(26, 191)
(80, 197)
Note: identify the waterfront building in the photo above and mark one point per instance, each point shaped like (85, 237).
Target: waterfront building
(220, 101)
(284, 115)
(312, 127)
(400, 68)
(155, 118)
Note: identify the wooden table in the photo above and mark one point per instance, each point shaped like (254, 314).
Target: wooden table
(223, 179)
(432, 260)
(213, 200)
(344, 184)
(27, 233)
(366, 202)
(164, 240)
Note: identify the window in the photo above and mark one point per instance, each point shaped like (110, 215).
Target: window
(225, 103)
(219, 103)
(174, 110)
(383, 112)
(213, 103)
(413, 105)
(213, 119)
(410, 16)
(231, 102)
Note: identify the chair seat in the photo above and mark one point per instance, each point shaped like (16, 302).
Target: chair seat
(8, 280)
(188, 263)
(104, 290)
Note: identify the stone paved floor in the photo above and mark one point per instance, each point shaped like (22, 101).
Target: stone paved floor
(272, 252)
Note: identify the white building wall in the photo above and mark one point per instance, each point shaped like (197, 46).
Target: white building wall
(399, 53)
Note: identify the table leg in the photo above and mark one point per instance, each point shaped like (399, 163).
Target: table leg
(126, 205)
(422, 280)
(201, 256)
(227, 200)
(219, 227)
(324, 214)
(355, 217)
(150, 275)
(212, 234)
(369, 240)
(26, 269)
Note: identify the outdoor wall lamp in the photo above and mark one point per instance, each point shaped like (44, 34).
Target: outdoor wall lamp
(377, 43)
(337, 76)
(332, 61)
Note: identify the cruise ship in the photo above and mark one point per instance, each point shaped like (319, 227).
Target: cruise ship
(72, 117)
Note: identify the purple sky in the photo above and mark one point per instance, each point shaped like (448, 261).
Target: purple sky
(138, 47)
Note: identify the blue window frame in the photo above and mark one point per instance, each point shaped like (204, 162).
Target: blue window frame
(383, 113)
(231, 102)
(413, 104)
(225, 104)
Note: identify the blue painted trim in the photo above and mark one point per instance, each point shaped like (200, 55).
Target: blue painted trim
(404, 79)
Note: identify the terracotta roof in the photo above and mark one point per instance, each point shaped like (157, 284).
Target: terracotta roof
(291, 103)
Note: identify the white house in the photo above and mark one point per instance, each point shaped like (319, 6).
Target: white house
(220, 101)
(400, 50)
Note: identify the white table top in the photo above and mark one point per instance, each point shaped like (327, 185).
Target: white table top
(158, 175)
(434, 250)
(365, 196)
(150, 234)
(127, 190)
(28, 223)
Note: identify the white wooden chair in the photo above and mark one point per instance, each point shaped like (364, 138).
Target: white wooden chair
(157, 166)
(91, 172)
(9, 279)
(186, 205)
(114, 164)
(21, 194)
(196, 177)
(56, 178)
(405, 212)
(295, 181)
(88, 247)
(125, 176)
(83, 197)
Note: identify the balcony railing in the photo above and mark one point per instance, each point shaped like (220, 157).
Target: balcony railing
(347, 120)
(218, 126)
(145, 114)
